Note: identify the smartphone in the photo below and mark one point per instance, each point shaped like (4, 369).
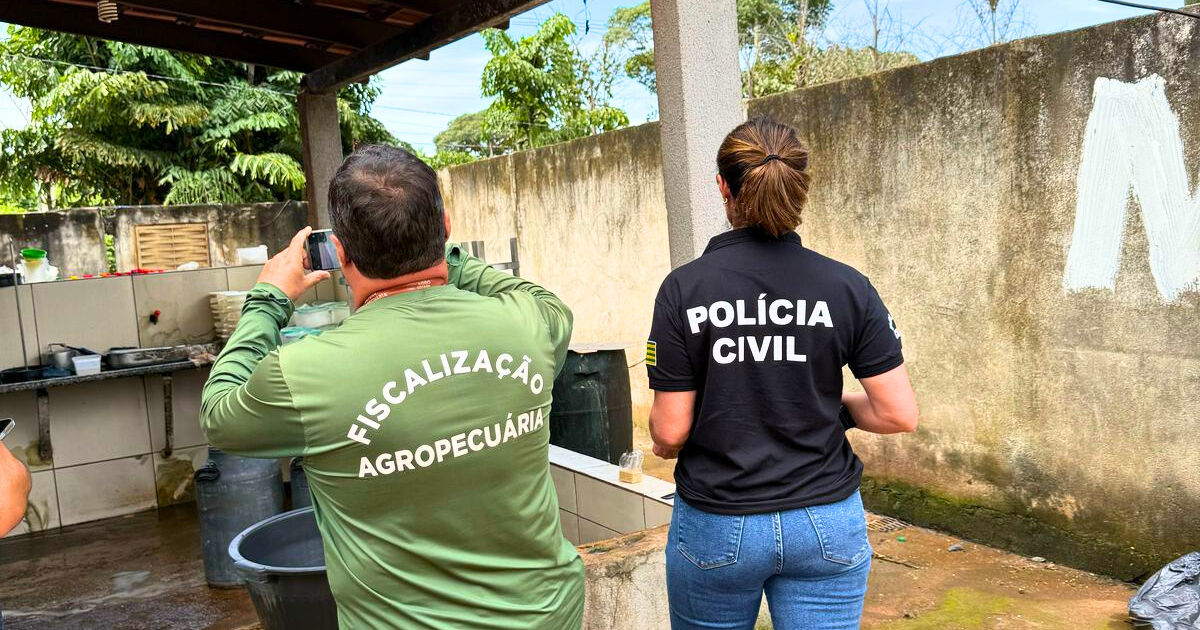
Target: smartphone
(321, 253)
(6, 425)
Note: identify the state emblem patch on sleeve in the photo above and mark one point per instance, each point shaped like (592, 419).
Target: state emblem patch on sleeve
(651, 353)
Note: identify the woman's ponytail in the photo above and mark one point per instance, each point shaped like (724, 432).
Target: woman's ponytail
(765, 166)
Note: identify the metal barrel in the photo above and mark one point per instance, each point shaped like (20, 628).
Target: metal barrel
(233, 493)
(592, 411)
(300, 496)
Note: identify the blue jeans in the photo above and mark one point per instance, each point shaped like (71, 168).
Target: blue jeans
(812, 563)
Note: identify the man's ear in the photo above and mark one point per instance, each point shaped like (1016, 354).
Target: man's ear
(446, 218)
(343, 260)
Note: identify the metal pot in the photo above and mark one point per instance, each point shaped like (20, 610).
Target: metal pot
(61, 358)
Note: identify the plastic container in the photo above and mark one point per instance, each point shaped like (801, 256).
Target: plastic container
(593, 409)
(631, 467)
(226, 310)
(252, 255)
(292, 334)
(86, 364)
(283, 563)
(233, 493)
(340, 311)
(313, 315)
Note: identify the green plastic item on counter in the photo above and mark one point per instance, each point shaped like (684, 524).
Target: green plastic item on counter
(33, 253)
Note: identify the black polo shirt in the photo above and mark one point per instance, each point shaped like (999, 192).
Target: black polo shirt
(760, 327)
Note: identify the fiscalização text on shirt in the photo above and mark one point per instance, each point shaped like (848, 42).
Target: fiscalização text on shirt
(762, 312)
(453, 363)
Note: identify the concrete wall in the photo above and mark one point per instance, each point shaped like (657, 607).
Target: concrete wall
(1058, 422)
(1058, 414)
(590, 223)
(75, 238)
(229, 227)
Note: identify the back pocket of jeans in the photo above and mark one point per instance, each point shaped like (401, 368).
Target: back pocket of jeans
(842, 530)
(707, 540)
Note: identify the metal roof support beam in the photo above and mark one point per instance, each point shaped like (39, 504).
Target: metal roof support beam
(81, 20)
(436, 30)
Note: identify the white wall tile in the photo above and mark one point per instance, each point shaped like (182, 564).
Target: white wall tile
(97, 314)
(590, 532)
(185, 393)
(23, 439)
(11, 327)
(99, 420)
(564, 485)
(611, 506)
(570, 526)
(243, 278)
(181, 297)
(173, 480)
(106, 489)
(42, 513)
(656, 513)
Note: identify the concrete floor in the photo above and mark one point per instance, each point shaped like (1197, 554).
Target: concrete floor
(144, 573)
(133, 573)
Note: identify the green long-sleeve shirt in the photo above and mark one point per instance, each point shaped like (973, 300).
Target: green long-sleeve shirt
(423, 423)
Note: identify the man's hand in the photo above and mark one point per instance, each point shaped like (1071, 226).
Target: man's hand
(663, 452)
(285, 270)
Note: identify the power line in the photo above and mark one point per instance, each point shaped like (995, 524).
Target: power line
(1151, 8)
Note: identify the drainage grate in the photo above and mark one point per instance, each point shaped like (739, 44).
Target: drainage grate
(886, 524)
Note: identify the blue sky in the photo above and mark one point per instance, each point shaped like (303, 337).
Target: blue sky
(448, 83)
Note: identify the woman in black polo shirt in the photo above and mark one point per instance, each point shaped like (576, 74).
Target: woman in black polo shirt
(745, 357)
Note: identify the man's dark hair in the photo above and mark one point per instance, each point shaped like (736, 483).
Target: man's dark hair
(385, 207)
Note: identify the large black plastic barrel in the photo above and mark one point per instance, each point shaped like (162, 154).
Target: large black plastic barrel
(593, 412)
(300, 496)
(233, 493)
(283, 563)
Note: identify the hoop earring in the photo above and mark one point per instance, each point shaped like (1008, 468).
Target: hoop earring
(725, 200)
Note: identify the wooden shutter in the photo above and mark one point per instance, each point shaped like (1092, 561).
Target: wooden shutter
(168, 245)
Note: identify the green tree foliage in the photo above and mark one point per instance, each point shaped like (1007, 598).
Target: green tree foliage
(466, 134)
(629, 29)
(108, 128)
(776, 55)
(546, 90)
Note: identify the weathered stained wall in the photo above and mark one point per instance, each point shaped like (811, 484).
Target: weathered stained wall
(73, 238)
(1058, 423)
(590, 223)
(229, 227)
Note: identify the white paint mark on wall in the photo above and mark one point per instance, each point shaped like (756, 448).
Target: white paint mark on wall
(1132, 140)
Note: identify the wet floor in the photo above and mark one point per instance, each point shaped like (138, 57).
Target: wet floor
(144, 572)
(138, 572)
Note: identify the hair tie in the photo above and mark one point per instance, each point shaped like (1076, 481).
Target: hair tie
(768, 159)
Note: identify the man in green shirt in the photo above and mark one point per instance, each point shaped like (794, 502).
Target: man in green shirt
(422, 419)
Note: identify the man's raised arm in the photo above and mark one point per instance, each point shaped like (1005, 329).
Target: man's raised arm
(246, 407)
(471, 274)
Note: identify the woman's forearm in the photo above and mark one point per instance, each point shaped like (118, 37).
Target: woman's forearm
(868, 418)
